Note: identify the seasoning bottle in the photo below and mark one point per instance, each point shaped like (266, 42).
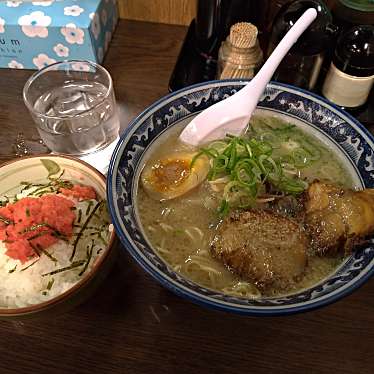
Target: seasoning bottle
(240, 55)
(346, 14)
(351, 73)
(350, 13)
(302, 64)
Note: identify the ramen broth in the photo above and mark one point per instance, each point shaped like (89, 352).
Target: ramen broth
(181, 230)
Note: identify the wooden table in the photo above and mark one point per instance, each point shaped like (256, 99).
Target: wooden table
(132, 324)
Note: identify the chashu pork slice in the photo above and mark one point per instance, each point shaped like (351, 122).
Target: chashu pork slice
(262, 247)
(337, 219)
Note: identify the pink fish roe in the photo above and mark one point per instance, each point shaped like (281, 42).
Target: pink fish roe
(35, 222)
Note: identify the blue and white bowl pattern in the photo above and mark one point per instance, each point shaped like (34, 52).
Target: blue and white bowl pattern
(350, 138)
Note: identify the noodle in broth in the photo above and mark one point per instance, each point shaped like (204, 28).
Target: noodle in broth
(181, 229)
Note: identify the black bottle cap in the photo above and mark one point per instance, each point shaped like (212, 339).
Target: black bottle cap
(318, 35)
(354, 52)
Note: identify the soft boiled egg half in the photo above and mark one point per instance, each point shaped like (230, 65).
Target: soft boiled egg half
(173, 175)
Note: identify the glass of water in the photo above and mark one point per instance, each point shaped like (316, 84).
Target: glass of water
(74, 108)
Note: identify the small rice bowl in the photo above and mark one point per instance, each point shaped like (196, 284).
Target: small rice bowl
(53, 274)
(23, 284)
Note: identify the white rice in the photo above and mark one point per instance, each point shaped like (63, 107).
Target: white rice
(22, 286)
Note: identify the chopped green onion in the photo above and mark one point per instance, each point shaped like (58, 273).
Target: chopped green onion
(4, 202)
(249, 163)
(12, 270)
(61, 183)
(50, 284)
(233, 157)
(6, 220)
(194, 159)
(220, 163)
(293, 186)
(204, 151)
(179, 231)
(26, 186)
(283, 129)
(218, 145)
(35, 227)
(223, 208)
(301, 157)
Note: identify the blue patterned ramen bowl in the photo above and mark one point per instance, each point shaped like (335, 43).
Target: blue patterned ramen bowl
(347, 138)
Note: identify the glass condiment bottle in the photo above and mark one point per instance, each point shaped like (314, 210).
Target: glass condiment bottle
(240, 55)
(346, 14)
(302, 64)
(351, 73)
(350, 13)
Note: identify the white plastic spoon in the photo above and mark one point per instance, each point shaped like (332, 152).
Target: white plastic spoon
(231, 116)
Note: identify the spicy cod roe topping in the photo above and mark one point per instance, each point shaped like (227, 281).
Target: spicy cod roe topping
(33, 224)
(79, 192)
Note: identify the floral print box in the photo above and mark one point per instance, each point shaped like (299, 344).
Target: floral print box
(34, 34)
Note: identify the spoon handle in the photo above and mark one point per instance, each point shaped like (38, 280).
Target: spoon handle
(232, 114)
(262, 78)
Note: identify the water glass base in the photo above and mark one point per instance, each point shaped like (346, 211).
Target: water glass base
(100, 159)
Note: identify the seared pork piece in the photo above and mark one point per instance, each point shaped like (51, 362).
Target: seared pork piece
(289, 206)
(263, 247)
(337, 219)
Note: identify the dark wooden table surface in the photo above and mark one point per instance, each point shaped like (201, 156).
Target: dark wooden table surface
(132, 324)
